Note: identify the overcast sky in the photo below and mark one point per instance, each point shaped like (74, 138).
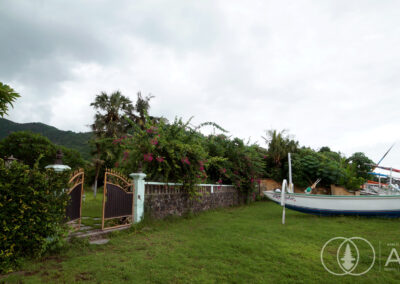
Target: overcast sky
(324, 70)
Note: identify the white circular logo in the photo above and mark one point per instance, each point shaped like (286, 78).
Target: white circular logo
(347, 255)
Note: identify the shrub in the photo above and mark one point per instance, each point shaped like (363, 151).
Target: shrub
(27, 147)
(242, 165)
(32, 212)
(167, 152)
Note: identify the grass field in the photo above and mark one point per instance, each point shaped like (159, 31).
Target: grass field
(244, 244)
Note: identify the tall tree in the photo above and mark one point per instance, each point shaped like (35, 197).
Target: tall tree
(109, 122)
(109, 119)
(279, 145)
(142, 107)
(28, 147)
(7, 97)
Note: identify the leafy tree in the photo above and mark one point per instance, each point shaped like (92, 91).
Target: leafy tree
(279, 145)
(309, 165)
(7, 97)
(324, 149)
(141, 108)
(28, 147)
(109, 118)
(109, 123)
(69, 139)
(362, 164)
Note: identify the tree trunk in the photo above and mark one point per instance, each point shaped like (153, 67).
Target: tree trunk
(95, 182)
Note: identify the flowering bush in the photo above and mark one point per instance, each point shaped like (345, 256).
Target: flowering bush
(242, 166)
(167, 152)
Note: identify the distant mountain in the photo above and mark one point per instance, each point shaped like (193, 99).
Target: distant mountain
(69, 139)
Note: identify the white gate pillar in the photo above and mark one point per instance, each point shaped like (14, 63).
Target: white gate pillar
(138, 181)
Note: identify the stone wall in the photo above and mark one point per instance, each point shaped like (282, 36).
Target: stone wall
(162, 200)
(339, 190)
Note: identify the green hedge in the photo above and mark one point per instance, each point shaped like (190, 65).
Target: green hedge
(32, 212)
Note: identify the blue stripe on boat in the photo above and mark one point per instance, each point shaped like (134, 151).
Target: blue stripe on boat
(327, 212)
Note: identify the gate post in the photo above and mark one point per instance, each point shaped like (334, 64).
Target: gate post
(138, 179)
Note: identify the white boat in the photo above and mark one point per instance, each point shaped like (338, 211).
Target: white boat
(328, 205)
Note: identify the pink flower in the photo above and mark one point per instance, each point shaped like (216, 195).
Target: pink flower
(126, 155)
(259, 181)
(152, 129)
(219, 187)
(223, 170)
(154, 141)
(219, 181)
(148, 157)
(116, 141)
(160, 159)
(185, 160)
(202, 168)
(236, 172)
(265, 156)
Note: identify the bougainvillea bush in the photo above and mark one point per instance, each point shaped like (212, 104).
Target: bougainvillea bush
(178, 153)
(167, 152)
(242, 166)
(32, 212)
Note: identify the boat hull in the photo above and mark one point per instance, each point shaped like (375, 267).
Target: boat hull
(331, 205)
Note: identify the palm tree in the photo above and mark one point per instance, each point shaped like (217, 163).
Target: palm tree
(109, 120)
(142, 107)
(7, 97)
(279, 145)
(109, 123)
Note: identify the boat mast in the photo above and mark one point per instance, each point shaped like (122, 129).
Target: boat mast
(290, 174)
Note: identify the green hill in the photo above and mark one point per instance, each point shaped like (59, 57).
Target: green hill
(69, 139)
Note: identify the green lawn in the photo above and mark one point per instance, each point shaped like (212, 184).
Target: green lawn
(92, 208)
(244, 244)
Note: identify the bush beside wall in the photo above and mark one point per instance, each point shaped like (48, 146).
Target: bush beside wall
(32, 212)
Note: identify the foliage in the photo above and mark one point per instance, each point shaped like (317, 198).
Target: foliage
(142, 107)
(178, 153)
(242, 164)
(362, 164)
(166, 152)
(68, 139)
(7, 97)
(331, 167)
(308, 166)
(32, 211)
(109, 121)
(279, 145)
(27, 147)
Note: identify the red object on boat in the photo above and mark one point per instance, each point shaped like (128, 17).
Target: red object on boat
(386, 168)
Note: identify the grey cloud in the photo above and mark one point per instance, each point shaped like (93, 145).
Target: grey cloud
(325, 70)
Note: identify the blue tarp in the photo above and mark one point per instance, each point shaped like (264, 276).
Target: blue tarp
(377, 174)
